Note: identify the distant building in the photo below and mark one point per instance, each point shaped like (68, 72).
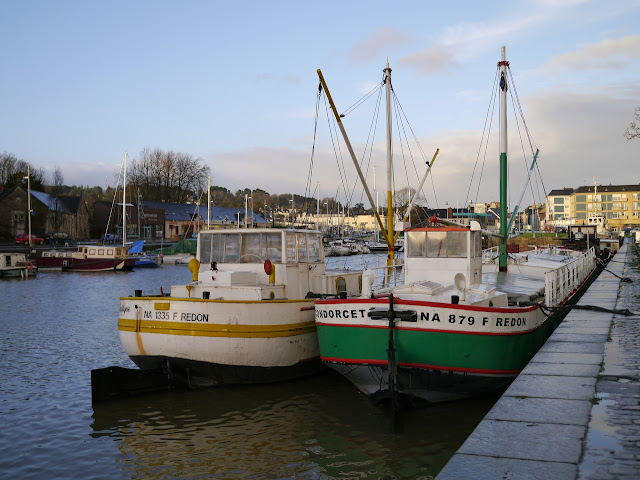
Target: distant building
(66, 214)
(618, 205)
(170, 221)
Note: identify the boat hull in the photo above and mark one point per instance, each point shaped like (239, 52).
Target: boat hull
(221, 341)
(71, 264)
(18, 272)
(449, 352)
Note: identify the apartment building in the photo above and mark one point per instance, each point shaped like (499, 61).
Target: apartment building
(618, 205)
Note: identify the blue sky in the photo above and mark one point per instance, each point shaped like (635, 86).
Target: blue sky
(235, 84)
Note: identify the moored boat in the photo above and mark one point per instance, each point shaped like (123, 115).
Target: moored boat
(16, 265)
(86, 258)
(461, 329)
(248, 314)
(457, 326)
(143, 259)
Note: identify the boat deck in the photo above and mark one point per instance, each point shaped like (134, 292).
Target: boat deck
(517, 287)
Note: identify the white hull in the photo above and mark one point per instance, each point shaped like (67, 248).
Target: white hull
(234, 333)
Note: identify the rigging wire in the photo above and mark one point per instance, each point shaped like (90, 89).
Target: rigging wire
(400, 113)
(362, 100)
(488, 118)
(337, 151)
(369, 145)
(313, 148)
(533, 146)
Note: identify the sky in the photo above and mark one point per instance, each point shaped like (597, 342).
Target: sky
(235, 84)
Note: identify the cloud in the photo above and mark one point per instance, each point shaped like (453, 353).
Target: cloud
(607, 54)
(434, 58)
(463, 42)
(371, 47)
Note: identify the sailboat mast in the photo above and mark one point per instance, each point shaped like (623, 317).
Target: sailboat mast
(209, 203)
(503, 162)
(124, 202)
(390, 243)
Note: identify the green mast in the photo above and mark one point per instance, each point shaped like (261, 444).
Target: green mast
(503, 163)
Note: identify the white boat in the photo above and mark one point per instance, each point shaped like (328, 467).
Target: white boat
(16, 265)
(248, 314)
(456, 327)
(336, 248)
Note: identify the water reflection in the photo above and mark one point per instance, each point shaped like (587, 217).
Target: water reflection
(314, 428)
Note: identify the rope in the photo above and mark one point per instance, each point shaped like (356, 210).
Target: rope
(549, 311)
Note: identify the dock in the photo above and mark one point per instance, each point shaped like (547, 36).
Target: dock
(574, 411)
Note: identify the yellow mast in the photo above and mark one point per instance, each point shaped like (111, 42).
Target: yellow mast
(353, 157)
(390, 242)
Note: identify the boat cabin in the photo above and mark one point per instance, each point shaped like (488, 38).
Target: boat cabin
(439, 254)
(287, 263)
(100, 251)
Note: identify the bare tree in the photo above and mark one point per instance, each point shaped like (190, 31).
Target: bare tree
(633, 131)
(57, 189)
(12, 171)
(168, 176)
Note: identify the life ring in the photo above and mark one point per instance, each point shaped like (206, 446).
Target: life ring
(29, 266)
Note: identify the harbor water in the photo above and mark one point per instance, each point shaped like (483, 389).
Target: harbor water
(59, 326)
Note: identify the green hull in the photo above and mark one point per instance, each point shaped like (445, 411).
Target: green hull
(489, 354)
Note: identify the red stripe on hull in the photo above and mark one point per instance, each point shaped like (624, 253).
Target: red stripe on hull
(400, 301)
(419, 365)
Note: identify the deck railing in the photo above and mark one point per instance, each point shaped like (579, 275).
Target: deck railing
(384, 276)
(490, 254)
(563, 281)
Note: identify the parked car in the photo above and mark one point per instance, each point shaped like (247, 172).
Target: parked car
(59, 238)
(23, 239)
(110, 238)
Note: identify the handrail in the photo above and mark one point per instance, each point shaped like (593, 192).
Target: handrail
(561, 282)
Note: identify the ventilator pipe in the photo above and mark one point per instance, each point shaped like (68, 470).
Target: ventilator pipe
(194, 268)
(368, 277)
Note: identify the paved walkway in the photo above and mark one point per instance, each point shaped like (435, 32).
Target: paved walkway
(574, 411)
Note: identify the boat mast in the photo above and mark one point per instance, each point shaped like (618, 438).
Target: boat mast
(503, 162)
(29, 202)
(390, 242)
(209, 203)
(124, 202)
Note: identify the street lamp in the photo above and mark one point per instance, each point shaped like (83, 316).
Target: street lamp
(28, 179)
(291, 212)
(327, 218)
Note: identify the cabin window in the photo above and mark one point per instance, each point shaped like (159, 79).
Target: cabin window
(92, 251)
(417, 246)
(302, 247)
(110, 251)
(314, 248)
(251, 248)
(231, 247)
(101, 251)
(341, 285)
(290, 239)
(449, 244)
(244, 248)
(204, 247)
(273, 243)
(476, 244)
